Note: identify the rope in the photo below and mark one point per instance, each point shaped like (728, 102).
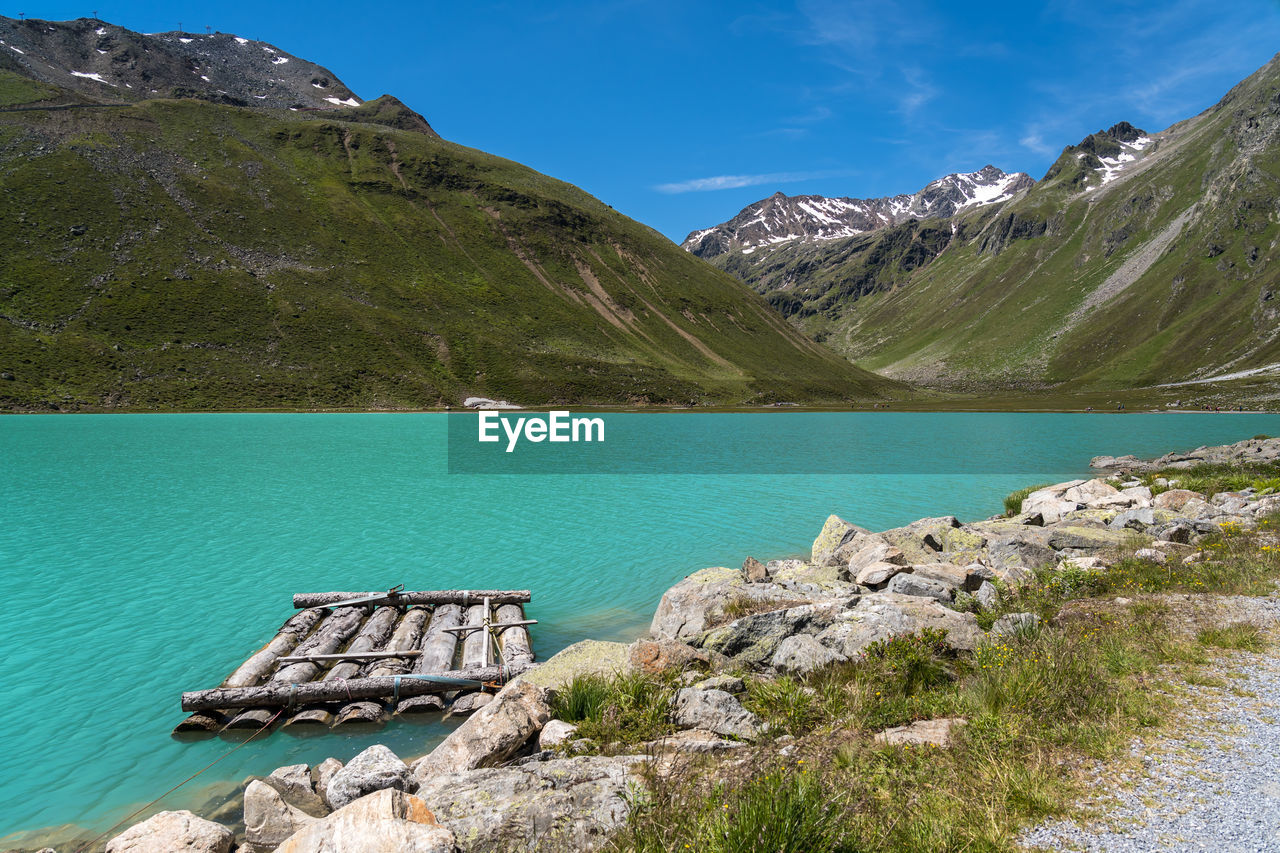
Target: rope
(115, 826)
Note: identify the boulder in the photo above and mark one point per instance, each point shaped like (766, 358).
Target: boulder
(1267, 505)
(922, 732)
(727, 683)
(911, 584)
(716, 711)
(1091, 493)
(874, 550)
(585, 657)
(565, 804)
(268, 819)
(468, 704)
(876, 575)
(173, 832)
(961, 578)
(754, 571)
(1015, 623)
(654, 657)
(375, 769)
(1151, 554)
(492, 734)
(1128, 463)
(921, 541)
(1064, 537)
(387, 821)
(692, 741)
(753, 639)
(295, 787)
(986, 595)
(556, 733)
(325, 771)
(1175, 499)
(835, 533)
(1140, 495)
(1050, 502)
(697, 602)
(802, 654)
(881, 615)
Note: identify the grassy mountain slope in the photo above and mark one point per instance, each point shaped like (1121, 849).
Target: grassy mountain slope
(1166, 272)
(186, 255)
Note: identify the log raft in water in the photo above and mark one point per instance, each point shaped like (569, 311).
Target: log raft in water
(445, 596)
(408, 637)
(331, 635)
(514, 639)
(373, 635)
(257, 667)
(438, 649)
(277, 694)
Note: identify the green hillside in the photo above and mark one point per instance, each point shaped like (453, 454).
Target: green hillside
(181, 254)
(1167, 272)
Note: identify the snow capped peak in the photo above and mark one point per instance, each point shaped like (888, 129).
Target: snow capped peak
(782, 218)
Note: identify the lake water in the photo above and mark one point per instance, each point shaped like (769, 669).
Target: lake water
(145, 555)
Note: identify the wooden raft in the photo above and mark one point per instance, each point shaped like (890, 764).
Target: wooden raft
(362, 657)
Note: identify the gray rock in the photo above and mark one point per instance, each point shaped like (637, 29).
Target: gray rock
(716, 711)
(802, 654)
(882, 615)
(836, 532)
(695, 603)
(1151, 554)
(1015, 623)
(325, 771)
(387, 821)
(923, 732)
(173, 832)
(567, 804)
(986, 595)
(727, 683)
(921, 541)
(492, 734)
(295, 787)
(753, 639)
(950, 575)
(556, 733)
(922, 587)
(874, 550)
(876, 575)
(754, 571)
(692, 741)
(1091, 493)
(375, 769)
(268, 819)
(468, 704)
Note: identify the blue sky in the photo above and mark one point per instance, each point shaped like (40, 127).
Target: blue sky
(681, 113)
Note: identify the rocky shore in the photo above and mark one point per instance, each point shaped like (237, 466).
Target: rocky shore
(514, 777)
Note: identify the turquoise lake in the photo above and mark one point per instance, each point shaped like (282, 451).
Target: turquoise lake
(145, 555)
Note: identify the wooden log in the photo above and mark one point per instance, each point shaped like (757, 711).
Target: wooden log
(408, 638)
(514, 639)
(360, 657)
(276, 694)
(258, 666)
(331, 635)
(438, 649)
(444, 596)
(374, 634)
(476, 643)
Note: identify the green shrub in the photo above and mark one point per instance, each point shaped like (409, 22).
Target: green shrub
(1241, 635)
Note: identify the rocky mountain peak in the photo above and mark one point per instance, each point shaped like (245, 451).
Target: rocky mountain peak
(783, 219)
(107, 63)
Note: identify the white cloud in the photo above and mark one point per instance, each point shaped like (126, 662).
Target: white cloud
(733, 182)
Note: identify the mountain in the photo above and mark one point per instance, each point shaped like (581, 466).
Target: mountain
(1138, 260)
(809, 218)
(167, 246)
(102, 62)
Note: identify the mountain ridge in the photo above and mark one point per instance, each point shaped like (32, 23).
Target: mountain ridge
(781, 218)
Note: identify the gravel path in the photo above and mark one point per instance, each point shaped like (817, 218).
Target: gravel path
(1213, 785)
